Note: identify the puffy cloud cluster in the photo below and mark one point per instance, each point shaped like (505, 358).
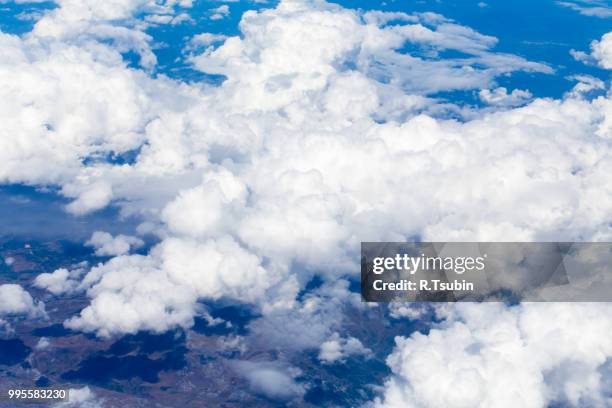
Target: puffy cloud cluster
(324, 134)
(87, 22)
(339, 349)
(59, 104)
(14, 300)
(277, 56)
(107, 245)
(161, 290)
(61, 281)
(489, 355)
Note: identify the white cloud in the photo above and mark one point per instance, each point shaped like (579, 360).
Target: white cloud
(501, 97)
(107, 245)
(586, 84)
(83, 21)
(271, 379)
(592, 8)
(310, 39)
(61, 281)
(82, 398)
(308, 322)
(95, 197)
(232, 343)
(601, 53)
(14, 300)
(411, 310)
(581, 56)
(204, 210)
(73, 117)
(220, 12)
(158, 19)
(160, 291)
(323, 135)
(206, 39)
(43, 344)
(339, 349)
(488, 355)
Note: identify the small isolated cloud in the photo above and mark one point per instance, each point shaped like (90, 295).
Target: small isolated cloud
(14, 300)
(43, 343)
(80, 398)
(220, 12)
(501, 97)
(591, 8)
(271, 379)
(232, 343)
(212, 321)
(161, 19)
(582, 56)
(107, 245)
(338, 349)
(482, 4)
(207, 39)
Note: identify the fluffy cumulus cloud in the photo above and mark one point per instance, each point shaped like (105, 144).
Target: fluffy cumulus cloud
(601, 52)
(107, 245)
(301, 153)
(161, 290)
(488, 355)
(62, 280)
(14, 300)
(324, 133)
(339, 349)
